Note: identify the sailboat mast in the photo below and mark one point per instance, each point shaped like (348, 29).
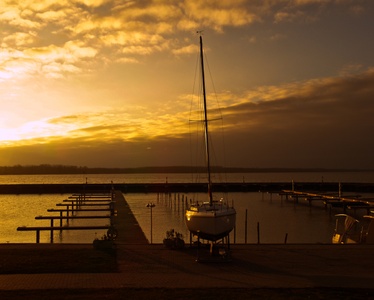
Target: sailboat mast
(207, 152)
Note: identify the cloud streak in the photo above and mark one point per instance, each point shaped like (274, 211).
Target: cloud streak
(315, 113)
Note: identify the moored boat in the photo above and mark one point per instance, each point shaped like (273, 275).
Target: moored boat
(211, 220)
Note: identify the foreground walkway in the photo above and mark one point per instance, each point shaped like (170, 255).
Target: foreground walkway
(142, 265)
(252, 266)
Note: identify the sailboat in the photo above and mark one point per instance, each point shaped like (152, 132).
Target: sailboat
(214, 219)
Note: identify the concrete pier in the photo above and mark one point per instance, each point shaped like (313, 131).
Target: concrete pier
(129, 231)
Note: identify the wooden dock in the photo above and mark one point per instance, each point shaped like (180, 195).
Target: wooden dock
(122, 221)
(77, 203)
(354, 202)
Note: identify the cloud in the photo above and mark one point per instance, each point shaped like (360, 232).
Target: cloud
(69, 34)
(310, 10)
(11, 15)
(50, 61)
(190, 49)
(218, 14)
(18, 39)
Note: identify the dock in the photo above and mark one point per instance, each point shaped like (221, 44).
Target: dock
(129, 230)
(77, 203)
(152, 270)
(119, 215)
(352, 202)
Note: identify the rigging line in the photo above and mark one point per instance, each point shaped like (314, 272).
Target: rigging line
(196, 110)
(212, 83)
(219, 111)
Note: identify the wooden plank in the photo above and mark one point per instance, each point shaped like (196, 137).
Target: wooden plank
(84, 204)
(24, 228)
(64, 210)
(70, 217)
(88, 200)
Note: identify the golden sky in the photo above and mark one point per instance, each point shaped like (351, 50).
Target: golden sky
(108, 83)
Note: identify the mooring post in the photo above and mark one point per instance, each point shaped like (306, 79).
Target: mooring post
(179, 202)
(67, 214)
(246, 226)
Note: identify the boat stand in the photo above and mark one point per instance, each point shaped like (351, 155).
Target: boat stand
(215, 251)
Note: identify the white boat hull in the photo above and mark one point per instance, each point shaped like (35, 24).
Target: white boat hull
(210, 223)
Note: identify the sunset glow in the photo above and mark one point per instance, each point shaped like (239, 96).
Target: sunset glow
(294, 81)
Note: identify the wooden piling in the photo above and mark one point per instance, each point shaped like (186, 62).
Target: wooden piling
(246, 226)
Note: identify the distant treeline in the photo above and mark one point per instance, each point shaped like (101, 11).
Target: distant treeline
(63, 169)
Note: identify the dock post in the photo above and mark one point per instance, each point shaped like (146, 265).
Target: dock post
(340, 190)
(51, 231)
(67, 214)
(179, 202)
(246, 226)
(175, 201)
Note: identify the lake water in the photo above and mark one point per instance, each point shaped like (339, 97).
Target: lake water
(275, 218)
(185, 178)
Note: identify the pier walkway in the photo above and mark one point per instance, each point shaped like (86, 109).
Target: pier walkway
(129, 231)
(145, 266)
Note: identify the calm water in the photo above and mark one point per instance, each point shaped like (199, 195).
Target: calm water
(181, 178)
(276, 218)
